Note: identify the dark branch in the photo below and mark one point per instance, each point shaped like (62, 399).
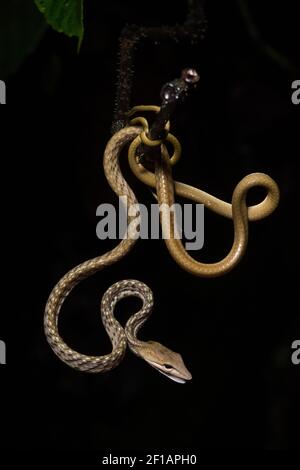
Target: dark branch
(192, 30)
(172, 94)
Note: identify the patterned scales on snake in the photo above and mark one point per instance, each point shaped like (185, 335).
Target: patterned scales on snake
(160, 357)
(163, 359)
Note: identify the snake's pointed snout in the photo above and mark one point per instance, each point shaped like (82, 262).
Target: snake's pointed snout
(166, 361)
(184, 372)
(188, 376)
(180, 375)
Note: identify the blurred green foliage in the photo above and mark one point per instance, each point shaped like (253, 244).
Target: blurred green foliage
(66, 16)
(21, 28)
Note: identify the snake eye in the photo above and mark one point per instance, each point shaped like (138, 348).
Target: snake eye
(168, 366)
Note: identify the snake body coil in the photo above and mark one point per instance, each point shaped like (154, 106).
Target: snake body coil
(163, 359)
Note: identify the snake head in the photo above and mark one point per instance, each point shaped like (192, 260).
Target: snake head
(166, 361)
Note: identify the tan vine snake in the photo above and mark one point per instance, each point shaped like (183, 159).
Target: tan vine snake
(158, 356)
(163, 359)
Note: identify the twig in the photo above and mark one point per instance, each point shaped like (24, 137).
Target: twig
(172, 94)
(192, 30)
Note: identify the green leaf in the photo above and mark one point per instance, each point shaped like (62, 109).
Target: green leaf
(66, 16)
(21, 28)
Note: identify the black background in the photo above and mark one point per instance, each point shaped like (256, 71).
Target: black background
(234, 332)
